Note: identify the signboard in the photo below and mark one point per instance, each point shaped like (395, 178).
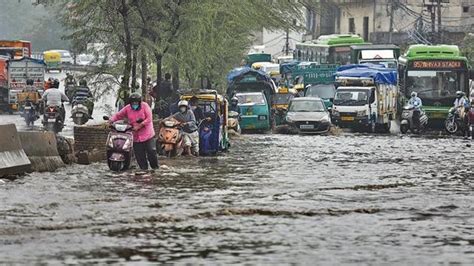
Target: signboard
(438, 64)
(320, 74)
(377, 54)
(21, 70)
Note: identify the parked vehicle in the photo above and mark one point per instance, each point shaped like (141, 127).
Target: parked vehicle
(119, 146)
(85, 60)
(407, 122)
(213, 132)
(308, 115)
(171, 138)
(366, 98)
(52, 120)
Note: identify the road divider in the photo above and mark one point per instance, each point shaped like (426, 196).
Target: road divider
(41, 148)
(13, 159)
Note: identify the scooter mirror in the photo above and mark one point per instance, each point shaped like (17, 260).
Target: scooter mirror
(105, 117)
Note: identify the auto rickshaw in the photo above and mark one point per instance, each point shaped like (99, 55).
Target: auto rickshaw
(213, 134)
(52, 60)
(280, 103)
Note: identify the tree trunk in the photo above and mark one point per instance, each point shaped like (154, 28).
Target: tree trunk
(208, 83)
(134, 66)
(175, 76)
(159, 71)
(127, 44)
(144, 73)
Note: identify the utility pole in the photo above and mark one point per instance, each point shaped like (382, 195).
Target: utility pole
(440, 40)
(390, 29)
(287, 42)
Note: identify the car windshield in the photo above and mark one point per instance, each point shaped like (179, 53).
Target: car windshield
(307, 106)
(251, 98)
(435, 84)
(351, 97)
(325, 91)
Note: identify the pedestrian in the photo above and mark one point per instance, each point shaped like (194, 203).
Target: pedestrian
(122, 96)
(140, 118)
(164, 93)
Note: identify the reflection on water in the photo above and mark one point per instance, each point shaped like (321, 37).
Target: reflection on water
(272, 199)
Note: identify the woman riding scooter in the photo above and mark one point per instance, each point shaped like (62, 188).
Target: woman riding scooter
(139, 116)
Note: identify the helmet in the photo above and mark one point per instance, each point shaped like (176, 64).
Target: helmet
(183, 103)
(234, 100)
(135, 97)
(414, 94)
(459, 94)
(83, 82)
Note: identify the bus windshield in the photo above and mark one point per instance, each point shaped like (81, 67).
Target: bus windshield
(340, 55)
(435, 84)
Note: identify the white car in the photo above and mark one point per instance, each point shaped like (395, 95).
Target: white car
(66, 57)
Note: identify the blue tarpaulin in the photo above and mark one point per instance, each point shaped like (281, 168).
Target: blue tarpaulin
(241, 71)
(379, 73)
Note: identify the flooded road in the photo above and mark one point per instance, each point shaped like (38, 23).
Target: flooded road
(350, 199)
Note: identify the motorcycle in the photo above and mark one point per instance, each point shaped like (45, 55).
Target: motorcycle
(453, 123)
(234, 118)
(79, 113)
(171, 138)
(30, 113)
(407, 122)
(52, 120)
(119, 146)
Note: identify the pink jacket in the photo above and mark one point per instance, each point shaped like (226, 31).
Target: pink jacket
(145, 133)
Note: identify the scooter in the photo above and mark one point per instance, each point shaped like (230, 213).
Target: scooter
(119, 146)
(30, 113)
(234, 119)
(52, 120)
(407, 120)
(171, 138)
(453, 123)
(79, 113)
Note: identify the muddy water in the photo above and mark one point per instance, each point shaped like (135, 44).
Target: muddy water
(351, 199)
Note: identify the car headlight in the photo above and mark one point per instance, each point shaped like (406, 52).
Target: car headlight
(325, 119)
(361, 113)
(288, 119)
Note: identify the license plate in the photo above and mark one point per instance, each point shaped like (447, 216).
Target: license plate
(27, 107)
(438, 115)
(52, 120)
(79, 115)
(347, 118)
(306, 126)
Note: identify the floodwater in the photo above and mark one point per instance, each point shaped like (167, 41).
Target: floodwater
(328, 200)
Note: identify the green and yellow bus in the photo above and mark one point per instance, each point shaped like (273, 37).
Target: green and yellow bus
(435, 72)
(328, 49)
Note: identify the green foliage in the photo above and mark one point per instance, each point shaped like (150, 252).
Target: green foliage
(467, 48)
(204, 39)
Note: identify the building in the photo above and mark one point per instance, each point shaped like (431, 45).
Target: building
(392, 20)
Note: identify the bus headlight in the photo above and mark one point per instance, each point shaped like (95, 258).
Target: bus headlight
(362, 113)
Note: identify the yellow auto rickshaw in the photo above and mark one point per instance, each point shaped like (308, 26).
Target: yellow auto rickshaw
(213, 131)
(280, 103)
(52, 60)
